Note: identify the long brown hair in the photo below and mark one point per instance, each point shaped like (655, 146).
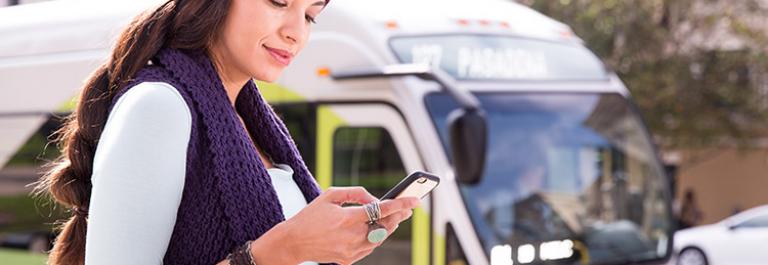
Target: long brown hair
(181, 24)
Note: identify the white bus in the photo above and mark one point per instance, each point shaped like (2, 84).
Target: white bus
(543, 157)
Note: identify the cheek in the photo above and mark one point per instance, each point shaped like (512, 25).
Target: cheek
(244, 28)
(249, 26)
(245, 45)
(304, 43)
(258, 64)
(245, 37)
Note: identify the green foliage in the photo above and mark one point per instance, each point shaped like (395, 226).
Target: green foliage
(9, 256)
(24, 213)
(696, 68)
(35, 151)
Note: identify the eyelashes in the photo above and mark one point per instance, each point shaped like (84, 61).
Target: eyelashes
(278, 4)
(308, 18)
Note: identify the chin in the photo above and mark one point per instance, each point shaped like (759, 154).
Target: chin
(270, 75)
(268, 80)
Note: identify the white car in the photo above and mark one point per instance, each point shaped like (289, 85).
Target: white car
(740, 239)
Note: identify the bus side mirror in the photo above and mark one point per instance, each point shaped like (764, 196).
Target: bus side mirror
(469, 135)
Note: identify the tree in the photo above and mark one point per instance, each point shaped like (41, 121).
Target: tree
(697, 69)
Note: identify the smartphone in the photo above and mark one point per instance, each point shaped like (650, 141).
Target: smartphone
(418, 184)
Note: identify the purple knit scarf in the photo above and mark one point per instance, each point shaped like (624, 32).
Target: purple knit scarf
(228, 195)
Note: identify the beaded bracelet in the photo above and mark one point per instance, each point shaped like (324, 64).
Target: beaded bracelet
(241, 255)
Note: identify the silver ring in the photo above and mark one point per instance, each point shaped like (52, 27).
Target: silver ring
(367, 209)
(376, 210)
(373, 210)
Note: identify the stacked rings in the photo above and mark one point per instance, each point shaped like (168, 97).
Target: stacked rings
(376, 232)
(373, 211)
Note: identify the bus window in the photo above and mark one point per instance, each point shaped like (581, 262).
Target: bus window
(454, 255)
(301, 121)
(368, 157)
(566, 173)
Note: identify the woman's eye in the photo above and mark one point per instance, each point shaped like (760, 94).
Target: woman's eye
(310, 19)
(278, 4)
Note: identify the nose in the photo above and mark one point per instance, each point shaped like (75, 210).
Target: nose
(295, 28)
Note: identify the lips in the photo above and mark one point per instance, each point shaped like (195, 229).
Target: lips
(281, 56)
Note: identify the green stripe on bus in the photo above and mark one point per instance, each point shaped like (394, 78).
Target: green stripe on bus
(439, 249)
(327, 122)
(69, 105)
(276, 93)
(420, 237)
(272, 92)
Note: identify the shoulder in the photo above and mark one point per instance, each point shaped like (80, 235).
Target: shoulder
(149, 118)
(153, 92)
(152, 101)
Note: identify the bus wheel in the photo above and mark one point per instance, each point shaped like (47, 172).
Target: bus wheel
(692, 256)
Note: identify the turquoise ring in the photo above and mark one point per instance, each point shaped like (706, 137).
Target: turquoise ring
(376, 233)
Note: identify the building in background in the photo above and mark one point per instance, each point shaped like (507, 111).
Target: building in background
(727, 178)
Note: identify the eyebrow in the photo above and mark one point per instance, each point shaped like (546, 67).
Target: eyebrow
(319, 3)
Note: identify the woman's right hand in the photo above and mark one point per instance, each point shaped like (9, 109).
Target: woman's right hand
(325, 232)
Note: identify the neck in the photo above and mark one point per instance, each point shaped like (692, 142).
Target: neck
(233, 87)
(232, 80)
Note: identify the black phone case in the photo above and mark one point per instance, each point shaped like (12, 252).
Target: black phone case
(391, 194)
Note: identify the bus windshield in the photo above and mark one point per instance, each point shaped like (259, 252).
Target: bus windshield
(567, 176)
(491, 57)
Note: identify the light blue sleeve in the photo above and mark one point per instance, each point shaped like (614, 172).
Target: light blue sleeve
(138, 177)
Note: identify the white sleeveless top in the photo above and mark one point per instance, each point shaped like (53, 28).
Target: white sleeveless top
(138, 178)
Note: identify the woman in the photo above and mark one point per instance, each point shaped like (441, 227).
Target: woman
(172, 156)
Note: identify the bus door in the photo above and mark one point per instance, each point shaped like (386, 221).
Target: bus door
(370, 145)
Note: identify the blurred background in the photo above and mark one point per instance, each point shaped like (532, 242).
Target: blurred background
(697, 71)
